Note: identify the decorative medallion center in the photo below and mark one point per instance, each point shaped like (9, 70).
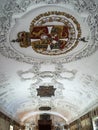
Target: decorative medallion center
(51, 33)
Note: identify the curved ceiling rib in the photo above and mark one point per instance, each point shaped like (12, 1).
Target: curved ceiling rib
(42, 112)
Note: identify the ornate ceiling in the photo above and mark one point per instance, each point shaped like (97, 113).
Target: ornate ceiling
(68, 74)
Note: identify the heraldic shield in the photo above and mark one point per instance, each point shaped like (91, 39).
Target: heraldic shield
(51, 39)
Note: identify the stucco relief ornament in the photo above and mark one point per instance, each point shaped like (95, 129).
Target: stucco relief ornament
(46, 102)
(37, 77)
(16, 7)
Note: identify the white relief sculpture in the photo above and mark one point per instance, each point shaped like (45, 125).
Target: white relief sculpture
(13, 7)
(35, 73)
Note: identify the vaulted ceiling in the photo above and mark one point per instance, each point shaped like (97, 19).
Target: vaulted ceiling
(72, 72)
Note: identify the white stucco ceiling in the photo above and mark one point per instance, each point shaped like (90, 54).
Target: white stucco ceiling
(74, 74)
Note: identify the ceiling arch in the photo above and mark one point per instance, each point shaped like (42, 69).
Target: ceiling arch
(42, 112)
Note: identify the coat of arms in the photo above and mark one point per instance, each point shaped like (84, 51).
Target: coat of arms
(51, 33)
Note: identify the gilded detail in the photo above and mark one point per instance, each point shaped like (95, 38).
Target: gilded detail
(49, 38)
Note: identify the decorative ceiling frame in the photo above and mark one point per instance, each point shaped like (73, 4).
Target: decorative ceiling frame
(52, 39)
(46, 91)
(13, 7)
(39, 76)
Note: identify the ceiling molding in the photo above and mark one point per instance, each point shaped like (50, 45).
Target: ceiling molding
(11, 8)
